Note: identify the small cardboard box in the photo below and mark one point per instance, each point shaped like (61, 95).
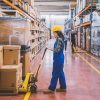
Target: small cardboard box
(1, 56)
(11, 55)
(10, 76)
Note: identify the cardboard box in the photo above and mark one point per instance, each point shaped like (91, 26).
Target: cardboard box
(11, 55)
(18, 69)
(1, 56)
(10, 79)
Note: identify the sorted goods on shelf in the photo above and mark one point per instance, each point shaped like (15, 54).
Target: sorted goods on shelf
(24, 4)
(96, 19)
(95, 45)
(77, 22)
(30, 2)
(88, 39)
(86, 18)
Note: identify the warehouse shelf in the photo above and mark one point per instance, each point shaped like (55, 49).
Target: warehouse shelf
(22, 12)
(19, 27)
(88, 7)
(83, 12)
(85, 27)
(85, 24)
(35, 25)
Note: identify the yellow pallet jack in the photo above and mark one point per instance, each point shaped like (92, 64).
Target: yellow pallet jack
(29, 83)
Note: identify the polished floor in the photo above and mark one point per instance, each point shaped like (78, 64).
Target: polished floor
(82, 72)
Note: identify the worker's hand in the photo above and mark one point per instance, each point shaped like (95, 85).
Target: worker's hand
(41, 62)
(50, 49)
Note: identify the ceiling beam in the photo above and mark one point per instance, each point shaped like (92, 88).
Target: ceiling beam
(61, 3)
(52, 8)
(53, 13)
(53, 0)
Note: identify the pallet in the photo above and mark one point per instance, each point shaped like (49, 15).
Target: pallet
(8, 92)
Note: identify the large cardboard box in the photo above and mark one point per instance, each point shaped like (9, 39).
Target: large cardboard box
(10, 79)
(1, 56)
(11, 55)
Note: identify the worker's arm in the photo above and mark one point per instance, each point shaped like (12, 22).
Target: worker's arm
(58, 47)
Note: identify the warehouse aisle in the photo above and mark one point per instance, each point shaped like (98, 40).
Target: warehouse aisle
(82, 72)
(82, 80)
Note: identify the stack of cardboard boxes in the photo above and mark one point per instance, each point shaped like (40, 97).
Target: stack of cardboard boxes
(10, 69)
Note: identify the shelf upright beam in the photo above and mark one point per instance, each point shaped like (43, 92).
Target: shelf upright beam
(91, 16)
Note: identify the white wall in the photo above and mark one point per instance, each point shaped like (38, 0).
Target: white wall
(52, 20)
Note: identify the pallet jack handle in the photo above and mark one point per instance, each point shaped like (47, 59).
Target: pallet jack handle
(44, 53)
(36, 75)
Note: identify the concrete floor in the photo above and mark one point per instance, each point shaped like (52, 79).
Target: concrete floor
(82, 73)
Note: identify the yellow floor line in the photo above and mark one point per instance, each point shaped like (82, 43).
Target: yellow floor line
(92, 57)
(27, 96)
(98, 72)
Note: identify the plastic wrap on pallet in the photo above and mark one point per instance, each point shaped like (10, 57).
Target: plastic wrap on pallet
(96, 19)
(95, 40)
(15, 32)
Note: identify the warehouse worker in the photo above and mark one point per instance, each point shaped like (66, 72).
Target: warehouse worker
(73, 41)
(58, 62)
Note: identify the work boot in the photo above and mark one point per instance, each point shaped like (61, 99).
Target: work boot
(48, 91)
(61, 90)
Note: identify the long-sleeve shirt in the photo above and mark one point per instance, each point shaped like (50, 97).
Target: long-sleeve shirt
(58, 55)
(59, 45)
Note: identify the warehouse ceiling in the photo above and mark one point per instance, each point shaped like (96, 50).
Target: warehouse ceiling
(54, 7)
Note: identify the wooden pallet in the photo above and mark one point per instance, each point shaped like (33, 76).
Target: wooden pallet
(8, 92)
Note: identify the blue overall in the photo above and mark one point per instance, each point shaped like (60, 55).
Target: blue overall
(58, 64)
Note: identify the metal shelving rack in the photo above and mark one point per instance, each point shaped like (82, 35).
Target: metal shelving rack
(87, 10)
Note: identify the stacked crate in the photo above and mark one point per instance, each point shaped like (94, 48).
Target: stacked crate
(10, 70)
